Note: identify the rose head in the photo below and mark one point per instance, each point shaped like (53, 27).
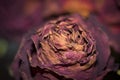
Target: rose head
(67, 48)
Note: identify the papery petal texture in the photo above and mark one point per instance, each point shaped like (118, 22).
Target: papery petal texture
(66, 48)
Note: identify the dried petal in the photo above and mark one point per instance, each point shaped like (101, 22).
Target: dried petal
(67, 48)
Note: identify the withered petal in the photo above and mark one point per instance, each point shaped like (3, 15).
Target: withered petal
(70, 48)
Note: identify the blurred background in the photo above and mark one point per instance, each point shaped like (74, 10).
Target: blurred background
(17, 17)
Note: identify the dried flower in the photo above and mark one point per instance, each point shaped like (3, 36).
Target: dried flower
(67, 48)
(105, 15)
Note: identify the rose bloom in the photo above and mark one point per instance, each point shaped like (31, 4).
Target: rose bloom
(66, 48)
(109, 15)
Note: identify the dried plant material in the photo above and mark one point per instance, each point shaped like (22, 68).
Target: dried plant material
(67, 48)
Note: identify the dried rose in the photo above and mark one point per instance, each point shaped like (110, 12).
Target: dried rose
(111, 9)
(67, 48)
